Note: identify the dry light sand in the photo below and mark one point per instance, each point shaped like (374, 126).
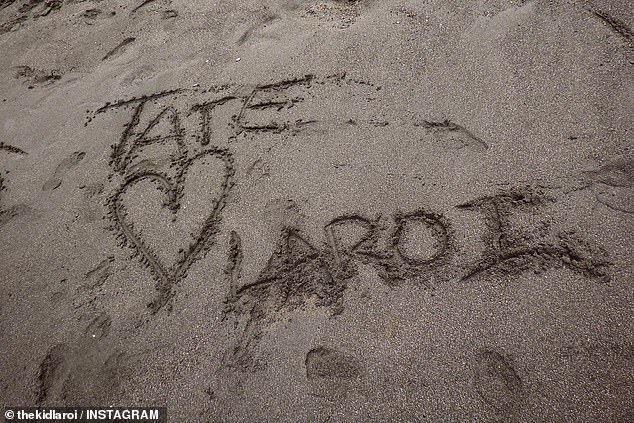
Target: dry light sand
(324, 211)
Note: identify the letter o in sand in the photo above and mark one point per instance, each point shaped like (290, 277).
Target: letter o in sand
(421, 237)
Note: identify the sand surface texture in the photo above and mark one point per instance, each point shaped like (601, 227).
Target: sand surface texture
(325, 211)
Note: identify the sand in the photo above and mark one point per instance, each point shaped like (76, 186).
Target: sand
(328, 211)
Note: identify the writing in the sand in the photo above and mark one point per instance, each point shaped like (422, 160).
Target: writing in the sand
(418, 246)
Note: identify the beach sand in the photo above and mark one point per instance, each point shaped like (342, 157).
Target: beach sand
(325, 211)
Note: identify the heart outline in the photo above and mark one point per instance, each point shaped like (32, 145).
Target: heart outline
(169, 277)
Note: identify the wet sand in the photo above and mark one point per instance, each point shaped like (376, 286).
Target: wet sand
(324, 211)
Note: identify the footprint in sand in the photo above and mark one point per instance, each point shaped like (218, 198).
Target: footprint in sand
(99, 275)
(343, 13)
(53, 371)
(331, 373)
(82, 371)
(19, 209)
(497, 382)
(99, 327)
(613, 184)
(68, 163)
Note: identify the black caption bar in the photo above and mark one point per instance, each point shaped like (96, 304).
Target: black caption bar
(86, 414)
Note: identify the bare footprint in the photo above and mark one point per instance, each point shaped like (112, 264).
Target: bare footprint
(618, 173)
(83, 372)
(497, 383)
(613, 184)
(99, 275)
(17, 210)
(13, 212)
(53, 371)
(331, 373)
(68, 163)
(38, 77)
(99, 327)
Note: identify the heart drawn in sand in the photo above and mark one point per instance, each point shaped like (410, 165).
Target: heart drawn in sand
(166, 276)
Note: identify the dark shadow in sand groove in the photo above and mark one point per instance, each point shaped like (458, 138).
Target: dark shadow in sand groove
(12, 149)
(142, 5)
(616, 25)
(449, 126)
(118, 50)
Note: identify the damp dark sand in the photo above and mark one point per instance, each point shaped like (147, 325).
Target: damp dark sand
(319, 210)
